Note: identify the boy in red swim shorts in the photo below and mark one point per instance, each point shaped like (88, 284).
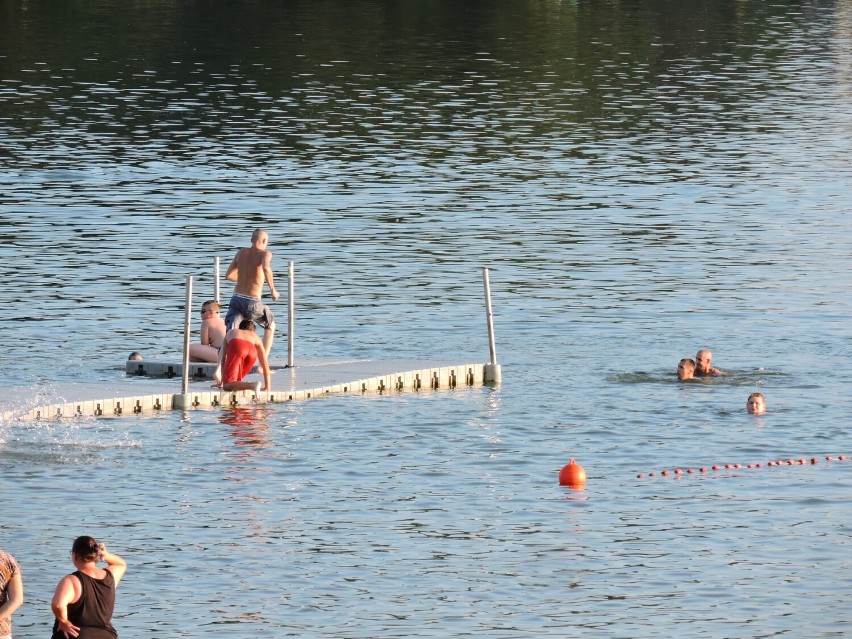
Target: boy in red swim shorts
(240, 350)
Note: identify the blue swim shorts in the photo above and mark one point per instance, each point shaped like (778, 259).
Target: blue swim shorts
(246, 307)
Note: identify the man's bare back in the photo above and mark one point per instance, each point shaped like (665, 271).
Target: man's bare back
(251, 267)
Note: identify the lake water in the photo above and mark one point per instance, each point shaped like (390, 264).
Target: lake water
(643, 179)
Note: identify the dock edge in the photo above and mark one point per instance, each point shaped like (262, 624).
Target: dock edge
(446, 377)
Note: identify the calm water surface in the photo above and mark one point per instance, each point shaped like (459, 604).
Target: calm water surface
(643, 179)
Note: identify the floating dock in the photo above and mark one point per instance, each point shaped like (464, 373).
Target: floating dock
(156, 385)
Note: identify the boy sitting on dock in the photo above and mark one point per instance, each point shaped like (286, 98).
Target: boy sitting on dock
(212, 334)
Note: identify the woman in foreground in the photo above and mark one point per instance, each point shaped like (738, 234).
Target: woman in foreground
(84, 600)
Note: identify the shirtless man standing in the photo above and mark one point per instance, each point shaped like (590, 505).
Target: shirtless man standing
(249, 269)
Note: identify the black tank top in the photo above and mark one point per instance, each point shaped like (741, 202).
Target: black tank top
(92, 612)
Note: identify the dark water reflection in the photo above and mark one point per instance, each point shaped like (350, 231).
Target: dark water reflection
(643, 178)
(383, 83)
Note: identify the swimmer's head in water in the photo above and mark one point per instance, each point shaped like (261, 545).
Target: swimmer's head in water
(703, 359)
(135, 355)
(756, 404)
(685, 369)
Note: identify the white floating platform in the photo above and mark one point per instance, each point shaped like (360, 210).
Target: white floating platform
(155, 368)
(141, 393)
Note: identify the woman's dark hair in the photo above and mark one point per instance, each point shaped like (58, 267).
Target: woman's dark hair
(86, 548)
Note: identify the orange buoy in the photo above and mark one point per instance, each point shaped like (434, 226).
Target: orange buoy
(572, 475)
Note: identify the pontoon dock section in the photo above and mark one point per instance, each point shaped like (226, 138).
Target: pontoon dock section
(152, 385)
(156, 385)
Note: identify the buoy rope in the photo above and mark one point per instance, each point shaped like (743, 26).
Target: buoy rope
(716, 467)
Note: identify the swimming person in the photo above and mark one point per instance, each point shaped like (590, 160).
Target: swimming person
(11, 592)
(212, 334)
(702, 364)
(249, 269)
(242, 348)
(84, 600)
(756, 404)
(685, 369)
